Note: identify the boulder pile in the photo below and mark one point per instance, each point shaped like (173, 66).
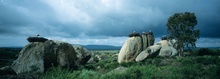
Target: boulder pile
(162, 48)
(135, 44)
(139, 47)
(37, 57)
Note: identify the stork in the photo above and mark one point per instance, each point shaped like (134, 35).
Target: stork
(37, 35)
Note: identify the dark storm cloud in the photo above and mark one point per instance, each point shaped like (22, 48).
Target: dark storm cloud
(28, 18)
(153, 15)
(102, 18)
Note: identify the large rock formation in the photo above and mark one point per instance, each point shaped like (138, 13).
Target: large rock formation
(135, 45)
(144, 40)
(163, 48)
(174, 51)
(141, 47)
(167, 48)
(83, 55)
(131, 48)
(148, 39)
(36, 57)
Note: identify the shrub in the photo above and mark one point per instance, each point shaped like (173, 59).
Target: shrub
(206, 60)
(206, 51)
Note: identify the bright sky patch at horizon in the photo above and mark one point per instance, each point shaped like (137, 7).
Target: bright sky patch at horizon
(102, 22)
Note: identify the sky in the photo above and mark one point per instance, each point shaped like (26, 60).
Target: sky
(101, 22)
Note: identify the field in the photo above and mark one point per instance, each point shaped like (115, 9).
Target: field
(200, 64)
(8, 55)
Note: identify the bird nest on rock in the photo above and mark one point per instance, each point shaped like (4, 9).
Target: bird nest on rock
(144, 33)
(164, 38)
(151, 33)
(36, 39)
(134, 34)
(147, 33)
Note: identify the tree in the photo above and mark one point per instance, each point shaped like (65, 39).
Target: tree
(180, 26)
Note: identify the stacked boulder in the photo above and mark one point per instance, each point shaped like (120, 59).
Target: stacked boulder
(137, 48)
(163, 49)
(133, 46)
(147, 39)
(37, 57)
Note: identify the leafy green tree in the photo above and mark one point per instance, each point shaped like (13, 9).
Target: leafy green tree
(180, 26)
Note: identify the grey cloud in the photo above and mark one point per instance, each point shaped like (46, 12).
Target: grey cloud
(120, 24)
(116, 18)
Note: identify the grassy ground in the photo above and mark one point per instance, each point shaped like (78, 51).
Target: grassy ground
(204, 66)
(201, 67)
(200, 64)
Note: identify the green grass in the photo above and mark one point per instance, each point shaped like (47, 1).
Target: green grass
(201, 67)
(60, 73)
(206, 66)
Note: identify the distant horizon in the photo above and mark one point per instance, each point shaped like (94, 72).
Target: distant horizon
(202, 42)
(101, 45)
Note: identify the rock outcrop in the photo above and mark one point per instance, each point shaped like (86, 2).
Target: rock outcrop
(151, 51)
(131, 48)
(144, 40)
(37, 57)
(141, 47)
(163, 49)
(174, 51)
(167, 49)
(83, 55)
(148, 39)
(135, 45)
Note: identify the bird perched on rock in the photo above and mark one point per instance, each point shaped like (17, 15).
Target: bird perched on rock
(164, 37)
(134, 34)
(37, 35)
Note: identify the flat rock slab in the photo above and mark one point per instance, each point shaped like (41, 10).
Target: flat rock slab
(149, 51)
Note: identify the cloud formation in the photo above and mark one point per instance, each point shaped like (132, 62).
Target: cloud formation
(101, 19)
